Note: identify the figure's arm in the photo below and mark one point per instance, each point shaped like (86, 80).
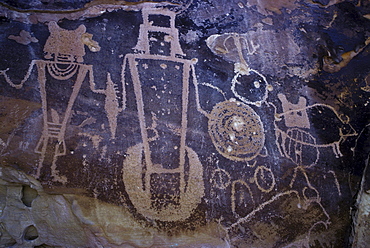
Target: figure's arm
(123, 76)
(92, 82)
(9, 81)
(195, 82)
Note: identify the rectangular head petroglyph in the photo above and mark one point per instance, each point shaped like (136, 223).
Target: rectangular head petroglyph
(295, 115)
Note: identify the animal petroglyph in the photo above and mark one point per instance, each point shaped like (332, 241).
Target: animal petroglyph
(236, 130)
(162, 175)
(23, 38)
(64, 56)
(294, 135)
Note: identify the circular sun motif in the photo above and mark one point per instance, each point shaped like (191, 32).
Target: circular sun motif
(236, 130)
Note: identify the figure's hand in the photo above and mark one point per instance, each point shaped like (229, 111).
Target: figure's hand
(3, 72)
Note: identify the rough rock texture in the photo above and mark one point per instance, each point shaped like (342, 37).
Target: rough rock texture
(184, 123)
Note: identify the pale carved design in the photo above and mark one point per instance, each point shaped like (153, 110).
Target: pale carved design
(236, 131)
(64, 56)
(163, 176)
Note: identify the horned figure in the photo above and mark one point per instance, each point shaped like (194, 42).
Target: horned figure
(294, 135)
(65, 45)
(63, 62)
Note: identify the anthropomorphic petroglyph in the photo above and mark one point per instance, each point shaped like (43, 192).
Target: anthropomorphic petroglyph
(163, 176)
(65, 45)
(64, 51)
(295, 126)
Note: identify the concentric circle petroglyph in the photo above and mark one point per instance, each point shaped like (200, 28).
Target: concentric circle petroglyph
(62, 71)
(236, 130)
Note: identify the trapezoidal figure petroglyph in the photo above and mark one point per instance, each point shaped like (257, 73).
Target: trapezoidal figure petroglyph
(163, 176)
(64, 52)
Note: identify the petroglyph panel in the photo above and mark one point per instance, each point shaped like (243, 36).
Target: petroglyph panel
(182, 123)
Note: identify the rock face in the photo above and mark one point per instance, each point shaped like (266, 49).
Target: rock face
(184, 123)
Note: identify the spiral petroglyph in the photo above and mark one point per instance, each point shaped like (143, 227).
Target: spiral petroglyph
(236, 130)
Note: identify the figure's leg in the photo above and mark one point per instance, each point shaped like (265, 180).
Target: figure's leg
(59, 141)
(44, 139)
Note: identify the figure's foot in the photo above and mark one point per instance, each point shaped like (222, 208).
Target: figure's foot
(57, 178)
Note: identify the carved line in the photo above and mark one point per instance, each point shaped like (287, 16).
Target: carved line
(336, 182)
(233, 192)
(214, 87)
(262, 205)
(18, 86)
(184, 121)
(235, 81)
(261, 168)
(195, 82)
(225, 184)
